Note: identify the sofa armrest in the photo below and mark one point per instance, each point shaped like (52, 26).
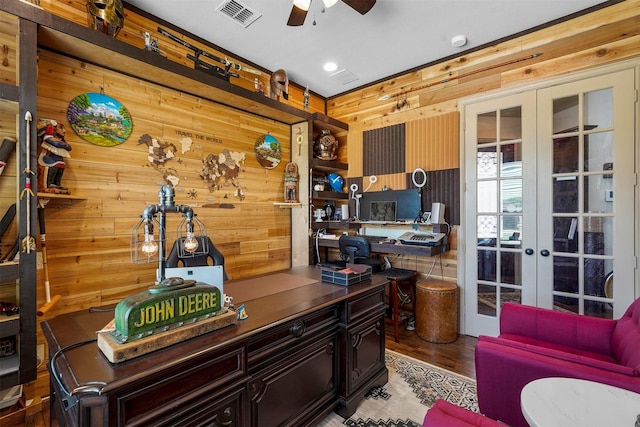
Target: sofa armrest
(583, 333)
(504, 367)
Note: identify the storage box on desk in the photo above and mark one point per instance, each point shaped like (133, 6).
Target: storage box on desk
(350, 275)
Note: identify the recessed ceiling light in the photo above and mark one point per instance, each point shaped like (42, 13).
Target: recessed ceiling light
(330, 66)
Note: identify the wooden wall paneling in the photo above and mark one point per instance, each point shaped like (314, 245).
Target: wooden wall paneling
(598, 55)
(88, 240)
(394, 181)
(8, 49)
(354, 154)
(433, 143)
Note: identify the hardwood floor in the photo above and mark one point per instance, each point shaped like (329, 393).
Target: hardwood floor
(456, 356)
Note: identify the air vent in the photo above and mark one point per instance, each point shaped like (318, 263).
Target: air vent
(238, 12)
(344, 76)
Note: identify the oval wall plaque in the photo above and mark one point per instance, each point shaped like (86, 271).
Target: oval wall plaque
(99, 119)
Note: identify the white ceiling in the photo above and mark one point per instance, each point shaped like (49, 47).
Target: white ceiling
(395, 36)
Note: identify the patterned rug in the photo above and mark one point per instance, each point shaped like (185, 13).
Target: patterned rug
(413, 388)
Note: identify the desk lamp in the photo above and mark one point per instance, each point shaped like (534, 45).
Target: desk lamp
(146, 247)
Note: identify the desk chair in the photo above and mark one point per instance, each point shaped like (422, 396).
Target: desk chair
(397, 279)
(356, 250)
(174, 259)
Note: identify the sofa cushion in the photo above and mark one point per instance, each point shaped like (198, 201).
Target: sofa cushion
(590, 334)
(625, 342)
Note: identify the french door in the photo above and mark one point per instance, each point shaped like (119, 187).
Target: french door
(544, 226)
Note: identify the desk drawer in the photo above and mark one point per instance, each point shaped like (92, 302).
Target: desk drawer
(270, 346)
(363, 306)
(184, 385)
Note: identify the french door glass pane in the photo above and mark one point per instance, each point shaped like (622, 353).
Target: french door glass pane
(565, 154)
(487, 196)
(565, 274)
(598, 152)
(598, 108)
(511, 123)
(487, 263)
(487, 162)
(566, 303)
(511, 268)
(594, 277)
(597, 191)
(511, 195)
(565, 114)
(598, 235)
(511, 160)
(487, 300)
(565, 234)
(510, 295)
(487, 128)
(487, 229)
(565, 194)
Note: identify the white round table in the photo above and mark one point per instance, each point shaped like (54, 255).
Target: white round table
(565, 402)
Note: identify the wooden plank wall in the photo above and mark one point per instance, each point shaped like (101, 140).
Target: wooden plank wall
(601, 37)
(88, 239)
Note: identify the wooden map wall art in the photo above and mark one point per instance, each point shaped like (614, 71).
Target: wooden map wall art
(99, 119)
(218, 170)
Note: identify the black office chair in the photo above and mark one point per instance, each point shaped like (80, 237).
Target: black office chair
(356, 250)
(177, 257)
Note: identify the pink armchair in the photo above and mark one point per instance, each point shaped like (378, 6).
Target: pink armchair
(445, 414)
(537, 343)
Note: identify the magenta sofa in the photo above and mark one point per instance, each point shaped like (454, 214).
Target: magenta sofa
(445, 414)
(537, 343)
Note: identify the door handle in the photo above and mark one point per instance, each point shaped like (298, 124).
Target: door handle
(528, 251)
(544, 252)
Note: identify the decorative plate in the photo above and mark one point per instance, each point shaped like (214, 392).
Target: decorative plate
(99, 119)
(268, 152)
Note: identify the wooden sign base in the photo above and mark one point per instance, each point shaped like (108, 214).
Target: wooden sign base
(116, 352)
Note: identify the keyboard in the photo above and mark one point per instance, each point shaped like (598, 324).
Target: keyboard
(423, 239)
(375, 239)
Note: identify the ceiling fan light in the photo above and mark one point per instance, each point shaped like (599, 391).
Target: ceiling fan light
(302, 4)
(329, 3)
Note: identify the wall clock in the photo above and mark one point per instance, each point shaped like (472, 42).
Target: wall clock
(99, 119)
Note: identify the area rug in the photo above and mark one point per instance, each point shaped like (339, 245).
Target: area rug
(413, 388)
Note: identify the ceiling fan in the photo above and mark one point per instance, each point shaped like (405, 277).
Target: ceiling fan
(301, 7)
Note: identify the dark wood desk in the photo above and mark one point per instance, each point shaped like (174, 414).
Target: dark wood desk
(390, 248)
(301, 354)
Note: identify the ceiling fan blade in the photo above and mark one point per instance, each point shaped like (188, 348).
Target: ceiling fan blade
(362, 6)
(297, 17)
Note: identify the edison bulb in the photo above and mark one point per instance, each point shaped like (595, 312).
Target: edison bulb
(190, 243)
(149, 247)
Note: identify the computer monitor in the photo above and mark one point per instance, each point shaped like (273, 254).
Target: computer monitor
(408, 203)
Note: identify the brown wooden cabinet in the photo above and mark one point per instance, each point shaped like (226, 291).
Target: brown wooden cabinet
(300, 355)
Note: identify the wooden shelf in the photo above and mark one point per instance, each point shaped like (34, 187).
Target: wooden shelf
(287, 205)
(94, 47)
(9, 270)
(60, 196)
(328, 165)
(330, 195)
